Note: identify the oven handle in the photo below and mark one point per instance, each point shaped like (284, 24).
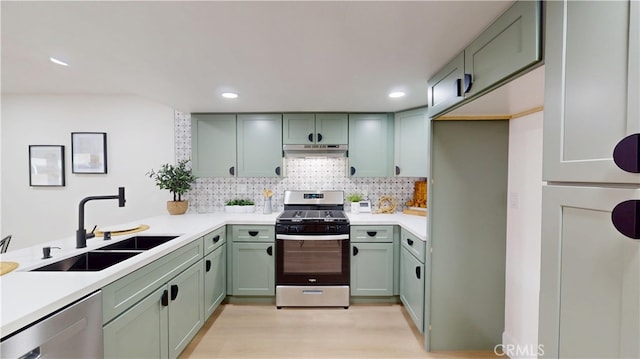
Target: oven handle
(312, 237)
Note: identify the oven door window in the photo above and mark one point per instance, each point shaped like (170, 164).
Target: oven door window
(312, 256)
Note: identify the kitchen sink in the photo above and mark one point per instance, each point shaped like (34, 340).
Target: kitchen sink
(88, 262)
(138, 243)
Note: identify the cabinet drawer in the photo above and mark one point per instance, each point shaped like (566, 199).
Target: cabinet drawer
(253, 233)
(126, 291)
(214, 239)
(415, 245)
(378, 234)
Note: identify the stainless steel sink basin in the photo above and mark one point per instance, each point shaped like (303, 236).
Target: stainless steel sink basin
(139, 243)
(88, 262)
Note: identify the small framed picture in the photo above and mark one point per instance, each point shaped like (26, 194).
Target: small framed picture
(88, 152)
(46, 165)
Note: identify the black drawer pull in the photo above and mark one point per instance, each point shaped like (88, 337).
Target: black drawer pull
(207, 265)
(625, 218)
(278, 170)
(355, 251)
(310, 137)
(165, 298)
(216, 239)
(372, 233)
(410, 241)
(353, 170)
(319, 137)
(253, 233)
(232, 170)
(626, 154)
(418, 272)
(174, 291)
(270, 250)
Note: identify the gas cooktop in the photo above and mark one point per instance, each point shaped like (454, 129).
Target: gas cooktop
(312, 216)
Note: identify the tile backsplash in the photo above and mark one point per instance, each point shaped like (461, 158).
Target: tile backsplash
(210, 194)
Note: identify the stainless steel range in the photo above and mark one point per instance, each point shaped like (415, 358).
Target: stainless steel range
(312, 250)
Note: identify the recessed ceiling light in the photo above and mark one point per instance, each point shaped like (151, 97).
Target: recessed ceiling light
(59, 62)
(229, 95)
(396, 94)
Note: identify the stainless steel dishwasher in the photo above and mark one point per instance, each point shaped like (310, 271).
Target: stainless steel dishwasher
(72, 332)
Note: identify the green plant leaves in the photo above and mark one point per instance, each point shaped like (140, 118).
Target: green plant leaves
(177, 179)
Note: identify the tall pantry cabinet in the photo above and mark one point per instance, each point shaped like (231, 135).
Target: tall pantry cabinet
(590, 271)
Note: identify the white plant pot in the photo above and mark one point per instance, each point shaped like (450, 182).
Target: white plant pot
(355, 207)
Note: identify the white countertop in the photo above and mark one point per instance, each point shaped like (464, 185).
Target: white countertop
(28, 296)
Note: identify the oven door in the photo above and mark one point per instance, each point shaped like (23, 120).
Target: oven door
(312, 259)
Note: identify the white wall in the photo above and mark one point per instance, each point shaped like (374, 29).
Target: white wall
(523, 233)
(140, 136)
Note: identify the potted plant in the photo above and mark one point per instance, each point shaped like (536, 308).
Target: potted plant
(240, 206)
(177, 179)
(355, 199)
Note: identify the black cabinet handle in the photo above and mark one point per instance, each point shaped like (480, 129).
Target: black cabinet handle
(310, 137)
(278, 170)
(319, 137)
(232, 170)
(397, 170)
(410, 241)
(165, 298)
(458, 89)
(467, 83)
(253, 233)
(372, 233)
(418, 272)
(625, 218)
(626, 154)
(207, 265)
(270, 250)
(216, 239)
(353, 170)
(355, 251)
(174, 291)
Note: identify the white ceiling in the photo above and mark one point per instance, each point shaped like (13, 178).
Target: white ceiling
(279, 56)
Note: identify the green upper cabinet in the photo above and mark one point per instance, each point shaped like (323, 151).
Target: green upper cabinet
(507, 48)
(259, 145)
(308, 128)
(411, 143)
(592, 77)
(445, 87)
(509, 45)
(370, 145)
(213, 145)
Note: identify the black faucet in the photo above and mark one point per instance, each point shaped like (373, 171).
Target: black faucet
(81, 233)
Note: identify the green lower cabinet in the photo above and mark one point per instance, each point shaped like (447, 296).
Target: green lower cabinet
(253, 268)
(140, 332)
(215, 279)
(163, 323)
(186, 315)
(412, 287)
(372, 269)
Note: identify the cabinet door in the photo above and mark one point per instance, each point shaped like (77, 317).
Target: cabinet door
(332, 128)
(298, 128)
(253, 268)
(445, 88)
(140, 332)
(591, 272)
(259, 145)
(185, 308)
(213, 145)
(370, 145)
(412, 287)
(411, 143)
(511, 44)
(215, 280)
(591, 88)
(372, 269)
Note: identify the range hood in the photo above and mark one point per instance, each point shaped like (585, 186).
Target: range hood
(311, 150)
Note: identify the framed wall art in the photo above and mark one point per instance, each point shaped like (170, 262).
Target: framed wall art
(88, 152)
(46, 165)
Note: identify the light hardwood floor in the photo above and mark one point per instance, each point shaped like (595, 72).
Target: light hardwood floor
(362, 331)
